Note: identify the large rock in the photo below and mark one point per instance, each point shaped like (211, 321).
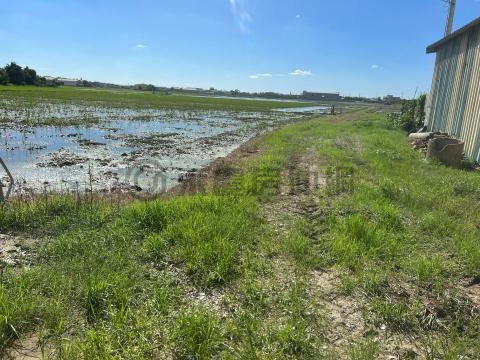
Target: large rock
(446, 150)
(421, 136)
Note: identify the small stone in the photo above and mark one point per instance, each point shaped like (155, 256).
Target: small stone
(9, 262)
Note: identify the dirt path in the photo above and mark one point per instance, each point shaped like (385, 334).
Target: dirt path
(302, 197)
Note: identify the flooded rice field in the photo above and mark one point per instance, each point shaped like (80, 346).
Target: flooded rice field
(114, 149)
(308, 109)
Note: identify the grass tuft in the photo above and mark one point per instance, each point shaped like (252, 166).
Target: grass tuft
(197, 335)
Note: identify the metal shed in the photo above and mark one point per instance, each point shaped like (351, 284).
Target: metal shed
(454, 101)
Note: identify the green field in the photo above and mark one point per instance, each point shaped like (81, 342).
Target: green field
(264, 267)
(26, 95)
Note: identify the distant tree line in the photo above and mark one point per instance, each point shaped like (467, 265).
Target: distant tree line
(16, 75)
(145, 87)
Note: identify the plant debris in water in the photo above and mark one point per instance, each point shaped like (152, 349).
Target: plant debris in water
(123, 141)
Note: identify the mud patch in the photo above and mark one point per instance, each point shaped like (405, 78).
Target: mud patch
(63, 158)
(150, 141)
(87, 142)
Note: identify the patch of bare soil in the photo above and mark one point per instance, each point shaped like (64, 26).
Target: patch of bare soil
(344, 313)
(473, 294)
(29, 348)
(471, 290)
(346, 320)
(15, 251)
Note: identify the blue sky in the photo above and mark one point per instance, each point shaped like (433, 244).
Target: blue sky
(366, 47)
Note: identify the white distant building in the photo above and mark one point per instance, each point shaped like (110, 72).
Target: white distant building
(64, 81)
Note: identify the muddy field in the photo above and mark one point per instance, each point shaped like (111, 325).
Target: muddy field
(115, 149)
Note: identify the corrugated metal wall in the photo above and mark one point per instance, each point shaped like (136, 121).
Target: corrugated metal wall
(454, 102)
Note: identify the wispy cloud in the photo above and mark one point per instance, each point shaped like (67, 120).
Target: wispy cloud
(298, 16)
(242, 16)
(258, 76)
(141, 46)
(297, 72)
(375, 66)
(300, 72)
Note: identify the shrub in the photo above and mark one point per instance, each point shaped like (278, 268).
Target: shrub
(3, 77)
(412, 115)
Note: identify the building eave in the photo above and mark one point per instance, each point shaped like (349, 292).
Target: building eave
(434, 47)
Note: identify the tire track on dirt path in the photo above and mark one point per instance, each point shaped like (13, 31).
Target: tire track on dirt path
(301, 198)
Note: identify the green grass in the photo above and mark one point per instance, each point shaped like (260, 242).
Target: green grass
(72, 106)
(197, 332)
(206, 276)
(365, 351)
(29, 95)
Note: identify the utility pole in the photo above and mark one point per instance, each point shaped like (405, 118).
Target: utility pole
(451, 15)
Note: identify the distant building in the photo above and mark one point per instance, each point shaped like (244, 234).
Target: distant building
(320, 96)
(390, 99)
(192, 89)
(63, 81)
(453, 103)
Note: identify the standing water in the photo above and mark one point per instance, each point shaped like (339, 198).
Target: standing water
(126, 149)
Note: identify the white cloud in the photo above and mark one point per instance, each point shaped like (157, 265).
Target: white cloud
(298, 16)
(141, 46)
(242, 16)
(299, 72)
(374, 66)
(258, 76)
